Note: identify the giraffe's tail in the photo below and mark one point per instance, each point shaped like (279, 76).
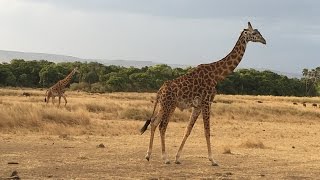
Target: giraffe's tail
(145, 126)
(45, 97)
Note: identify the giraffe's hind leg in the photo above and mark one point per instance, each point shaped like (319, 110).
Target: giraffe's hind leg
(162, 128)
(154, 123)
(47, 100)
(193, 118)
(48, 96)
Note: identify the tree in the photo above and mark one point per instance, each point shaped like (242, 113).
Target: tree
(141, 82)
(311, 79)
(7, 78)
(115, 78)
(118, 82)
(49, 75)
(159, 74)
(23, 80)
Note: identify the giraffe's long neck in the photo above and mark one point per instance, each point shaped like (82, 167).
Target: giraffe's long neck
(64, 82)
(225, 66)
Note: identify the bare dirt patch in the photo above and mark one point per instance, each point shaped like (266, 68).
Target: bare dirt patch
(51, 156)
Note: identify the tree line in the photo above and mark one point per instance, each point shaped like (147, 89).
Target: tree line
(97, 77)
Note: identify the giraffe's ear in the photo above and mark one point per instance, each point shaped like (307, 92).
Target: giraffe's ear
(249, 26)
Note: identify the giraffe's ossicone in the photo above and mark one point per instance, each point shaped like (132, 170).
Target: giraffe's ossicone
(196, 90)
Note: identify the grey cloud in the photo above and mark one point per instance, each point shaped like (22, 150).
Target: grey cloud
(287, 9)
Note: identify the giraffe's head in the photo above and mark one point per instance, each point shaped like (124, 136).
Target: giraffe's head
(76, 70)
(253, 35)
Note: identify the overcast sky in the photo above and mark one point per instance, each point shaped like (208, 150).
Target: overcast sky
(166, 31)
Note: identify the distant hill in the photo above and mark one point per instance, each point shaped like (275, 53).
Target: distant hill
(7, 56)
(290, 75)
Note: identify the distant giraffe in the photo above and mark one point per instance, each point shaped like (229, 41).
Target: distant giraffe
(59, 88)
(196, 89)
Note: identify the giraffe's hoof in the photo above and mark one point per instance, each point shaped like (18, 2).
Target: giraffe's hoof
(147, 157)
(215, 164)
(177, 162)
(167, 162)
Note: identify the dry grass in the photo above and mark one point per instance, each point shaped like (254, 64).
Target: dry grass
(273, 139)
(135, 113)
(89, 113)
(227, 150)
(253, 144)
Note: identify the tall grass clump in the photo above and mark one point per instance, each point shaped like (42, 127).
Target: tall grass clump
(95, 107)
(64, 117)
(19, 116)
(35, 117)
(135, 113)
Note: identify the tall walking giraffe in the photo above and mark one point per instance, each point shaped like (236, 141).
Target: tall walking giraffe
(58, 89)
(196, 90)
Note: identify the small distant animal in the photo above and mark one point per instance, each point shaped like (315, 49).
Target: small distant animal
(26, 94)
(314, 105)
(259, 102)
(295, 103)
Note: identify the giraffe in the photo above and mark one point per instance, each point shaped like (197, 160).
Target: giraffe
(195, 90)
(58, 89)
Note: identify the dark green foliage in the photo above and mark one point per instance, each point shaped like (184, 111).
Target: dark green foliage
(96, 77)
(311, 79)
(252, 82)
(7, 78)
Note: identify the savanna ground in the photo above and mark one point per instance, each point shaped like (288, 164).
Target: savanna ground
(274, 139)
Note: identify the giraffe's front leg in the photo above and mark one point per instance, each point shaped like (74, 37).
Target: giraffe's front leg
(59, 101)
(193, 118)
(65, 100)
(206, 124)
